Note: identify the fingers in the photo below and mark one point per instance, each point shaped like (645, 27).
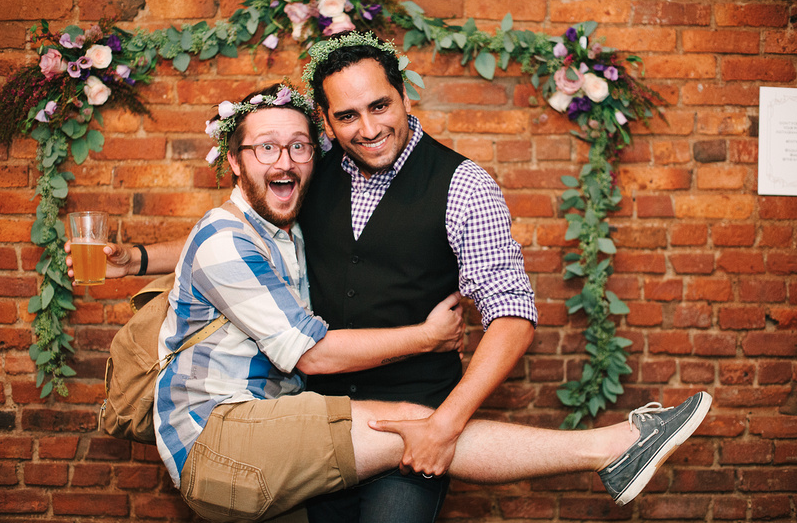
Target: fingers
(384, 426)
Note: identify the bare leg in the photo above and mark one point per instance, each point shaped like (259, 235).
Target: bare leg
(487, 451)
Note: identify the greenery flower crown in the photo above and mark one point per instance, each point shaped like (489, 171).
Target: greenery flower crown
(231, 114)
(320, 52)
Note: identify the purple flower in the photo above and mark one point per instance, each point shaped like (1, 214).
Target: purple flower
(123, 71)
(73, 69)
(45, 114)
(559, 50)
(283, 97)
(578, 106)
(571, 34)
(324, 22)
(114, 43)
(371, 11)
(271, 41)
(611, 73)
(84, 62)
(599, 67)
(274, 4)
(66, 41)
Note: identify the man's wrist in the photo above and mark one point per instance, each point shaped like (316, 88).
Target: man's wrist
(143, 260)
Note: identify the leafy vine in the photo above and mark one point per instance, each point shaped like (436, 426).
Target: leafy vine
(53, 102)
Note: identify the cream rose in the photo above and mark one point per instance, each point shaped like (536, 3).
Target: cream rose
(595, 88)
(97, 92)
(331, 8)
(100, 56)
(298, 14)
(560, 101)
(340, 24)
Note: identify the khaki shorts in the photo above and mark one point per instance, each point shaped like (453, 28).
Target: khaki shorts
(255, 460)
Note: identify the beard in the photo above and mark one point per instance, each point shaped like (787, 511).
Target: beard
(257, 199)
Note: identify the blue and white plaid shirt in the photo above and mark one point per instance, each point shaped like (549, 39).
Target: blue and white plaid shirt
(223, 269)
(491, 269)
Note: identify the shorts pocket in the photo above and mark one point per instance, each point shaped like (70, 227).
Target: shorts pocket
(223, 489)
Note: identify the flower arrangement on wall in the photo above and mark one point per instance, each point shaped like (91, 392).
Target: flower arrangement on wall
(80, 72)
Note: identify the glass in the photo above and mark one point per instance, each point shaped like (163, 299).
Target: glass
(89, 230)
(268, 153)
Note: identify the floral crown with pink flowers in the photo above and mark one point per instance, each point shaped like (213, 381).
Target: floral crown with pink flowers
(231, 114)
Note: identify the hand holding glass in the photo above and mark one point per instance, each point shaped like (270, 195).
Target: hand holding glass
(89, 231)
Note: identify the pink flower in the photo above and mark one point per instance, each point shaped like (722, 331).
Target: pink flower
(123, 71)
(100, 56)
(611, 73)
(73, 69)
(559, 50)
(45, 114)
(340, 24)
(67, 42)
(84, 62)
(97, 93)
(52, 64)
(565, 84)
(298, 14)
(620, 117)
(271, 41)
(283, 97)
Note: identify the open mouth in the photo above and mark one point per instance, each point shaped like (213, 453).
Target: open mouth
(282, 189)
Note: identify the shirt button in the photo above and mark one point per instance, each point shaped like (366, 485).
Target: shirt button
(350, 293)
(355, 259)
(350, 325)
(353, 389)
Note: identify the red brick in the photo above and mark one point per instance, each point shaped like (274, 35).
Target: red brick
(535, 507)
(23, 501)
(770, 507)
(674, 508)
(13, 447)
(776, 236)
(46, 474)
(112, 203)
(552, 314)
(669, 342)
(785, 318)
(479, 92)
(644, 314)
(777, 344)
(26, 392)
(278, 64)
(171, 204)
(681, 66)
(692, 263)
(697, 372)
(545, 178)
(782, 263)
(774, 372)
(742, 318)
(741, 262)
(722, 177)
(723, 123)
(697, 93)
(14, 176)
(689, 234)
(106, 448)
(160, 91)
(513, 150)
(658, 371)
(167, 10)
(663, 290)
(161, 506)
(762, 291)
(35, 11)
(778, 427)
(66, 421)
(92, 10)
(13, 230)
(719, 41)
(727, 206)
(721, 426)
(746, 452)
(668, 152)
(572, 507)
(138, 176)
(542, 260)
(768, 480)
(699, 480)
(782, 42)
(736, 373)
(758, 68)
(15, 338)
(692, 315)
(777, 208)
(137, 476)
(654, 178)
(129, 148)
(785, 452)
(751, 15)
(709, 289)
(741, 235)
(645, 237)
(639, 262)
(678, 122)
(8, 312)
(488, 121)
(90, 504)
(625, 287)
(654, 207)
(744, 397)
(743, 151)
(91, 475)
(529, 205)
(496, 9)
(8, 474)
(617, 11)
(58, 447)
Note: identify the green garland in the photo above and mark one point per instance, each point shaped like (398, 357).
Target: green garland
(570, 66)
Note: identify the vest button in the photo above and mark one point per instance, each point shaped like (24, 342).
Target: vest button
(353, 389)
(355, 259)
(350, 325)
(350, 293)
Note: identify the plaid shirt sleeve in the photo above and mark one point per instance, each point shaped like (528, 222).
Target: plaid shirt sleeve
(491, 268)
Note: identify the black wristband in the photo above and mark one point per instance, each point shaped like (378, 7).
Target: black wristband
(144, 259)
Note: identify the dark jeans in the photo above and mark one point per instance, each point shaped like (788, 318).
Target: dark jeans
(392, 498)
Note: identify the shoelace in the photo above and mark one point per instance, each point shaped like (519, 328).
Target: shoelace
(654, 407)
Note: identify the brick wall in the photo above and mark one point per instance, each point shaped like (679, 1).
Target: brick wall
(708, 267)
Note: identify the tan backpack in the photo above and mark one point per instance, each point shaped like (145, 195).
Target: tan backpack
(132, 369)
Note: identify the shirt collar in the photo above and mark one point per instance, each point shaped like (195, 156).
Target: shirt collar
(386, 175)
(272, 230)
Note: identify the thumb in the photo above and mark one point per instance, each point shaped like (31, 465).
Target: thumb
(384, 426)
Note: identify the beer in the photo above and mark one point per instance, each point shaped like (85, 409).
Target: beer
(88, 262)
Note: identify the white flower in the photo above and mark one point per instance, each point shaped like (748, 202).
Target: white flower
(256, 99)
(100, 56)
(583, 42)
(560, 101)
(331, 8)
(226, 109)
(271, 41)
(212, 128)
(595, 88)
(212, 155)
(97, 92)
(620, 117)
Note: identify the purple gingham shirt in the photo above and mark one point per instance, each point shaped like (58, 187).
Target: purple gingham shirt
(478, 223)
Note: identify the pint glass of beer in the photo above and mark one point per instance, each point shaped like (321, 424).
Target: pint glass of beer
(89, 235)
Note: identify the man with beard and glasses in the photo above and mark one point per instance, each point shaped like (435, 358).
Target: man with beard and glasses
(240, 437)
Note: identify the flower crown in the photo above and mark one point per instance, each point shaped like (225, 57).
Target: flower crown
(231, 114)
(320, 52)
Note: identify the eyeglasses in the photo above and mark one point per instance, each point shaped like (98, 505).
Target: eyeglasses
(268, 153)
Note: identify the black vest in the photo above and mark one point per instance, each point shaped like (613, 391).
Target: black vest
(399, 268)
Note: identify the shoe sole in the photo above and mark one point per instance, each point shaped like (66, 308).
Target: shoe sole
(638, 483)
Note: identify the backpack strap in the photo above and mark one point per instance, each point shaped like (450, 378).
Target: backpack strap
(216, 324)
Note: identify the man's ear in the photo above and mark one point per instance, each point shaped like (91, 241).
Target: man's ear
(406, 100)
(233, 161)
(327, 128)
